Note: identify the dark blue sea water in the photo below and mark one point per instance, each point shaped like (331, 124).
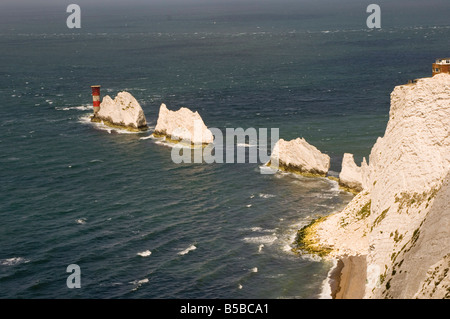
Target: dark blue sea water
(141, 226)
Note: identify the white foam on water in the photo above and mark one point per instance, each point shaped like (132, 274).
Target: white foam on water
(143, 281)
(78, 108)
(187, 250)
(310, 257)
(144, 253)
(287, 248)
(13, 261)
(86, 119)
(164, 143)
(269, 239)
(249, 205)
(148, 137)
(260, 248)
(246, 145)
(139, 283)
(325, 292)
(254, 269)
(261, 195)
(288, 237)
(266, 170)
(81, 221)
(275, 276)
(258, 229)
(334, 186)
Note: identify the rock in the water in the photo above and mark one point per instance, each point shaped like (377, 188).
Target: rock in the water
(350, 175)
(182, 125)
(124, 112)
(299, 156)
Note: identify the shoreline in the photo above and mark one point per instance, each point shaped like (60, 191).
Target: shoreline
(347, 278)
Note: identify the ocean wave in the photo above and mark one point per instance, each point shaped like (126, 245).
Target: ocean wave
(134, 89)
(13, 261)
(81, 221)
(144, 253)
(311, 257)
(138, 283)
(334, 186)
(148, 137)
(262, 195)
(164, 143)
(268, 239)
(78, 108)
(86, 119)
(96, 161)
(267, 170)
(187, 250)
(287, 248)
(258, 229)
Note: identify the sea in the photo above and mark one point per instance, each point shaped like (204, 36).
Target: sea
(114, 203)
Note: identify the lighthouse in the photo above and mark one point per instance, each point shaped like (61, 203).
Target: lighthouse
(96, 98)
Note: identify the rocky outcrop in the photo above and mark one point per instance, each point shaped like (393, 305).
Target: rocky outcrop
(342, 233)
(406, 181)
(407, 168)
(350, 176)
(182, 125)
(299, 156)
(122, 112)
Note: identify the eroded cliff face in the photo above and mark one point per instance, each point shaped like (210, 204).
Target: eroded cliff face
(405, 232)
(407, 168)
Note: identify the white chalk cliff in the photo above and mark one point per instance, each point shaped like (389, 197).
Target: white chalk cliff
(124, 111)
(405, 234)
(350, 175)
(298, 155)
(182, 125)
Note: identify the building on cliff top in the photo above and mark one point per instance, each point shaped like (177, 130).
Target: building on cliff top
(441, 66)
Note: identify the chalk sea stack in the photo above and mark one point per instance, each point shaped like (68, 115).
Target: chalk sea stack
(350, 176)
(123, 112)
(182, 126)
(299, 156)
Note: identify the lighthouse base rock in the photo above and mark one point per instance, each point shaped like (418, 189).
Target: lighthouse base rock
(123, 112)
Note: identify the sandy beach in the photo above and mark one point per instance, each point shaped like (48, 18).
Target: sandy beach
(348, 278)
